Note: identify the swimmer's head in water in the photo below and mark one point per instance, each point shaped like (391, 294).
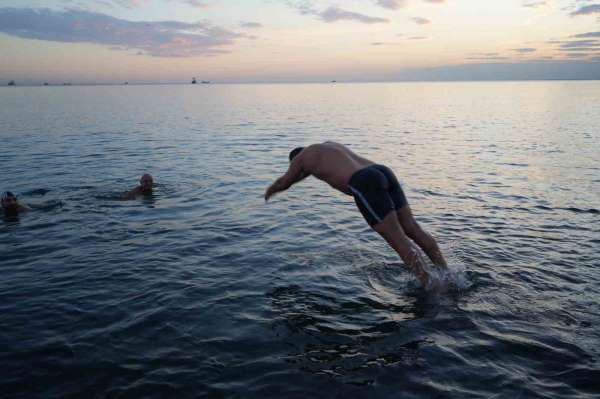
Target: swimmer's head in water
(9, 201)
(146, 182)
(295, 152)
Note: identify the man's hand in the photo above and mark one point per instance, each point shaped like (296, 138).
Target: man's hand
(293, 175)
(268, 194)
(272, 190)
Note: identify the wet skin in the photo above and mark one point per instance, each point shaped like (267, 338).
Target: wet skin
(145, 187)
(335, 164)
(11, 206)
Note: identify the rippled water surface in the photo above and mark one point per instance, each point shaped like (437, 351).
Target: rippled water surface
(203, 290)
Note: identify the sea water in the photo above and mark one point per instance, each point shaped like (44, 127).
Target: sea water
(204, 290)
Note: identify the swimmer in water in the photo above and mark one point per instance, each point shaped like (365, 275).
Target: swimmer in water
(11, 206)
(145, 187)
(377, 194)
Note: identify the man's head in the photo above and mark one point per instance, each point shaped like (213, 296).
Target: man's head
(295, 152)
(9, 202)
(146, 182)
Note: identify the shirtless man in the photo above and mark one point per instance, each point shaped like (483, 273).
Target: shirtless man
(376, 192)
(10, 204)
(145, 187)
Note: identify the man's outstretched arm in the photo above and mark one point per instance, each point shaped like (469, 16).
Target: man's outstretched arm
(294, 174)
(23, 208)
(129, 195)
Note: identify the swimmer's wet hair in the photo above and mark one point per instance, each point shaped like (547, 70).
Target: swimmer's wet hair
(8, 194)
(295, 152)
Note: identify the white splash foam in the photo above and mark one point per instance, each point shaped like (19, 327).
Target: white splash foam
(453, 278)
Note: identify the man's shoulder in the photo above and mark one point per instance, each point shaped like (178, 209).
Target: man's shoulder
(310, 152)
(320, 147)
(131, 194)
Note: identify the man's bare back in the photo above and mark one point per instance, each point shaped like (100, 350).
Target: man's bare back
(333, 163)
(377, 193)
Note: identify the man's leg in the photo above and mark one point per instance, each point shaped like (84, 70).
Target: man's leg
(370, 187)
(392, 232)
(407, 221)
(420, 236)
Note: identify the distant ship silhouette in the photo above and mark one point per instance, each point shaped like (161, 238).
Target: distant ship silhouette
(204, 82)
(11, 83)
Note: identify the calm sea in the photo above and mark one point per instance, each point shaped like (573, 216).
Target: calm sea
(204, 291)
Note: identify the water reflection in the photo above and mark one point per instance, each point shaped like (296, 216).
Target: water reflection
(148, 199)
(299, 298)
(346, 337)
(10, 219)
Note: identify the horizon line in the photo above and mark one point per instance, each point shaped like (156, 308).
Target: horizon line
(7, 83)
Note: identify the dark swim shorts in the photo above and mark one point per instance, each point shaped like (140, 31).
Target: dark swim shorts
(376, 192)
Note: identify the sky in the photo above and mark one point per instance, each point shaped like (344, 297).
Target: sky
(111, 41)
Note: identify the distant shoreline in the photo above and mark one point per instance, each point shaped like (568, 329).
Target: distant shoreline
(16, 85)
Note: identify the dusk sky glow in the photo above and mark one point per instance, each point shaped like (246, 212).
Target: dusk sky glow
(297, 40)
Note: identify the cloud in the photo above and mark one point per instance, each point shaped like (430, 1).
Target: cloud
(195, 3)
(487, 57)
(588, 46)
(588, 34)
(127, 3)
(417, 38)
(334, 13)
(580, 43)
(524, 50)
(483, 58)
(534, 4)
(577, 49)
(587, 10)
(251, 25)
(391, 4)
(531, 70)
(157, 38)
(421, 21)
(140, 3)
(396, 4)
(385, 44)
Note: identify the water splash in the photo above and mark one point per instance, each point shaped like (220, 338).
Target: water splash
(452, 278)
